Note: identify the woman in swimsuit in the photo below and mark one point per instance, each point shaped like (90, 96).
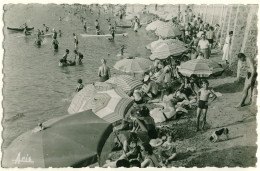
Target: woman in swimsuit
(150, 160)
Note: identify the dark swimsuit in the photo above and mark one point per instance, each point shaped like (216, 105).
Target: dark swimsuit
(203, 104)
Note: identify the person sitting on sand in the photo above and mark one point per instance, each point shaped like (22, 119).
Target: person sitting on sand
(137, 96)
(167, 151)
(132, 150)
(80, 86)
(103, 71)
(150, 88)
(150, 159)
(202, 98)
(145, 122)
(250, 78)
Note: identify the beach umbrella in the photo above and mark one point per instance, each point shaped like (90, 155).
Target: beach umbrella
(110, 105)
(166, 31)
(165, 50)
(133, 65)
(154, 25)
(200, 67)
(68, 141)
(126, 82)
(87, 93)
(152, 46)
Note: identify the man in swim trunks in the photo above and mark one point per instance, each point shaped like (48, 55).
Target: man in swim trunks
(202, 98)
(103, 71)
(250, 78)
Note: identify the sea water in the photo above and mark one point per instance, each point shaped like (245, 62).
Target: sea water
(35, 88)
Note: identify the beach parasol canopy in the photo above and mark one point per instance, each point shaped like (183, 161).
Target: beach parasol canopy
(166, 31)
(154, 25)
(165, 50)
(200, 67)
(133, 65)
(68, 141)
(126, 82)
(152, 46)
(110, 105)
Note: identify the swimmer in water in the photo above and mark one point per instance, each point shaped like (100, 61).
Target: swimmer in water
(60, 33)
(76, 41)
(80, 55)
(55, 44)
(46, 28)
(80, 85)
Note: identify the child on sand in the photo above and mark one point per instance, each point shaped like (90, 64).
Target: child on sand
(80, 85)
(202, 98)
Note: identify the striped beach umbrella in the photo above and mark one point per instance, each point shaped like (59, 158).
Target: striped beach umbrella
(165, 50)
(200, 67)
(110, 105)
(166, 31)
(133, 65)
(126, 82)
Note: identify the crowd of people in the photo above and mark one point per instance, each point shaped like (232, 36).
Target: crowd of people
(163, 85)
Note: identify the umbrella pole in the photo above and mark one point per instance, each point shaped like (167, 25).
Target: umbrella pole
(121, 144)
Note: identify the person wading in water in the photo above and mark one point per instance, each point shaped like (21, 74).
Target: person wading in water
(103, 71)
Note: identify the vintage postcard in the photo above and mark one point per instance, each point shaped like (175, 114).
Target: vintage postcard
(129, 84)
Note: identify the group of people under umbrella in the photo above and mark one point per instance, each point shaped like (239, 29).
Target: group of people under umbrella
(170, 81)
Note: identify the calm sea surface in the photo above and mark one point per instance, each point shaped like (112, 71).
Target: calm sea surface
(35, 87)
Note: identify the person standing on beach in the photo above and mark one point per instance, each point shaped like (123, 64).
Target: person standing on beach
(250, 78)
(204, 46)
(202, 98)
(103, 71)
(76, 41)
(226, 47)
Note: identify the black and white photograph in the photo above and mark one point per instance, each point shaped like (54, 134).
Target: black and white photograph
(129, 85)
